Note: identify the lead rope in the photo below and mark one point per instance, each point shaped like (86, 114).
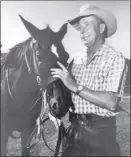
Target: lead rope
(26, 59)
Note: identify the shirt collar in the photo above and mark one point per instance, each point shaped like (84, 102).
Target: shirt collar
(102, 50)
(81, 57)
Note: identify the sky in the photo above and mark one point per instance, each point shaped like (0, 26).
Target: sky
(55, 13)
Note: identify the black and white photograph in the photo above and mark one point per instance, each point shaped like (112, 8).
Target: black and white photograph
(65, 78)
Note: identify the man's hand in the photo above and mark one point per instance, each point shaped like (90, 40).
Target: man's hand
(65, 76)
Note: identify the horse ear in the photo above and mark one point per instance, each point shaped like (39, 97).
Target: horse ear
(63, 30)
(58, 36)
(57, 42)
(48, 27)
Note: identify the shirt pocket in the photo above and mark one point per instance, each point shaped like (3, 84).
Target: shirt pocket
(99, 78)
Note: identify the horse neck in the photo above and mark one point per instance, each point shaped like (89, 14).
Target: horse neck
(26, 88)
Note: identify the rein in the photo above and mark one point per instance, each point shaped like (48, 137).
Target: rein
(8, 84)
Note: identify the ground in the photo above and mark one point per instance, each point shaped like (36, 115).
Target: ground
(123, 136)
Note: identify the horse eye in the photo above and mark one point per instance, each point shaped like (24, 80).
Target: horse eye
(59, 99)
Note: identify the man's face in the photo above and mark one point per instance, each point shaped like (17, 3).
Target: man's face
(89, 28)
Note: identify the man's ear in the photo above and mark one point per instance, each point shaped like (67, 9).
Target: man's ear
(102, 28)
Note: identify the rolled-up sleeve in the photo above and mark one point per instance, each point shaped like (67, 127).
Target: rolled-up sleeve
(115, 79)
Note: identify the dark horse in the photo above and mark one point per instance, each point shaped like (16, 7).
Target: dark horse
(25, 69)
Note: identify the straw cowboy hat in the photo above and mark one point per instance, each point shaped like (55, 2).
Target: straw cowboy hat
(107, 17)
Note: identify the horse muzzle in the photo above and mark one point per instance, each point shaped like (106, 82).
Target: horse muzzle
(55, 107)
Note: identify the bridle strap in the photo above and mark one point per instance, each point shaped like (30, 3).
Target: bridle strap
(8, 84)
(35, 64)
(27, 62)
(44, 104)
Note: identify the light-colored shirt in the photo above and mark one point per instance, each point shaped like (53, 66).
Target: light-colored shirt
(105, 72)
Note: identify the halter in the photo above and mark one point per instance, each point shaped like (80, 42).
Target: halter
(35, 64)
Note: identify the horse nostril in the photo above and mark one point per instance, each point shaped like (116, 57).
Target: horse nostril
(59, 100)
(55, 106)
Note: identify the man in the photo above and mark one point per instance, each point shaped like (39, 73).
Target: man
(96, 85)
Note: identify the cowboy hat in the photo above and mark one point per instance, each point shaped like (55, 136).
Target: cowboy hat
(107, 17)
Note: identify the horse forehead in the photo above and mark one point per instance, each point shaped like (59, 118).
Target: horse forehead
(45, 35)
(58, 86)
(53, 85)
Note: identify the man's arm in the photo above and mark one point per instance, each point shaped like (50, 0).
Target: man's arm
(106, 99)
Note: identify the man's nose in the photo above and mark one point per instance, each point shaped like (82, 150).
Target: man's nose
(82, 33)
(82, 30)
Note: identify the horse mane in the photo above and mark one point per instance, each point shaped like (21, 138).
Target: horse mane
(16, 53)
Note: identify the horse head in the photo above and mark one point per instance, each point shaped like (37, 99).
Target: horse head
(47, 60)
(45, 38)
(26, 69)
